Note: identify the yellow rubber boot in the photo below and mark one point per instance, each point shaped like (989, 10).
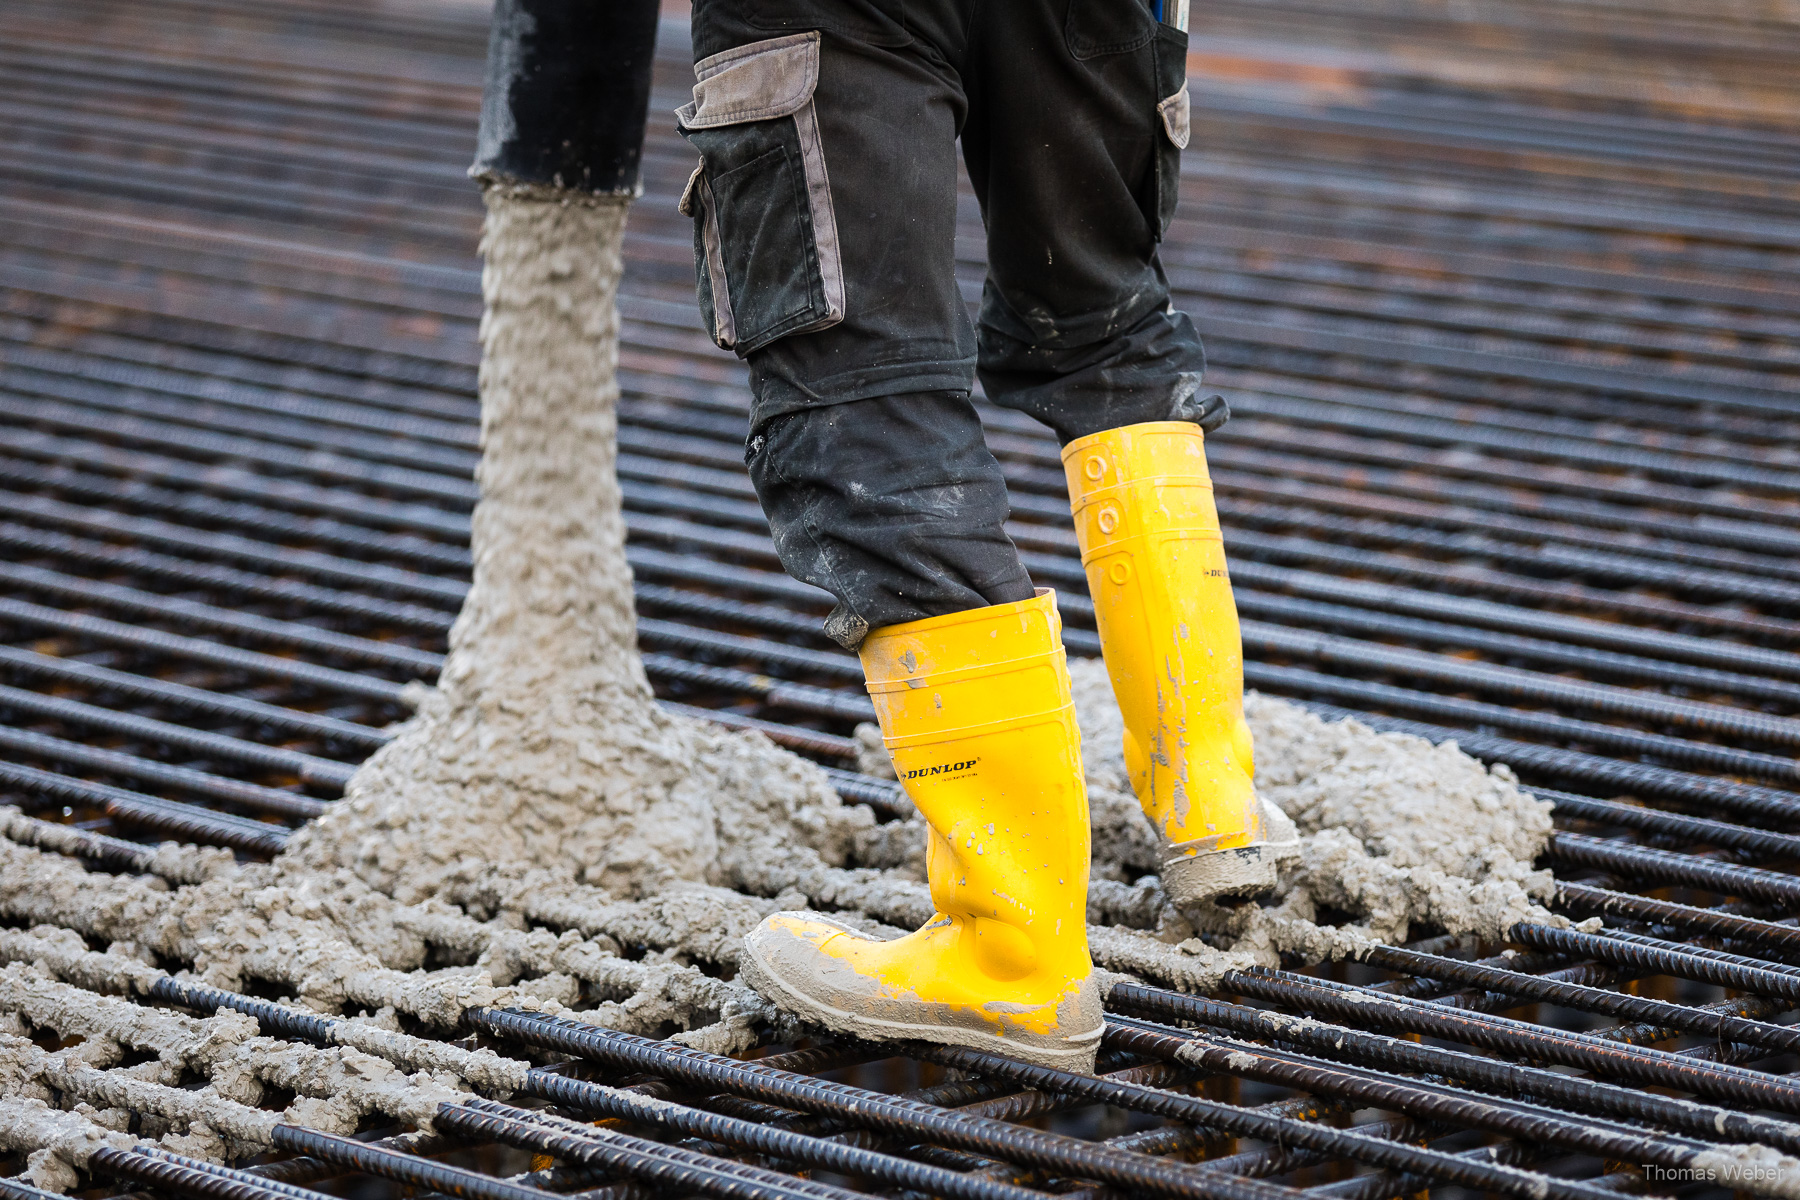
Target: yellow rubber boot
(1149, 536)
(976, 711)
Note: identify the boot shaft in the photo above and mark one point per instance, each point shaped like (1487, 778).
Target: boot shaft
(1148, 529)
(977, 714)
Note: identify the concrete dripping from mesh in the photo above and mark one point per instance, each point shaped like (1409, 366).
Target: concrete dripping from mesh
(542, 746)
(56, 1143)
(369, 1067)
(337, 946)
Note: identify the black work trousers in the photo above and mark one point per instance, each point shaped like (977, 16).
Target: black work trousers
(825, 209)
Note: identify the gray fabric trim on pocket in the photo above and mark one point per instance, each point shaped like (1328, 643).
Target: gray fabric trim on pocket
(685, 206)
(773, 78)
(724, 320)
(825, 233)
(1175, 113)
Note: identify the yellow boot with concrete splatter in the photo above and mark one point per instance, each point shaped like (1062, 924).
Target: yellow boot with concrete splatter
(976, 712)
(1149, 536)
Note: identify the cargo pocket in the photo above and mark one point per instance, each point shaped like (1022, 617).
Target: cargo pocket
(766, 255)
(1173, 130)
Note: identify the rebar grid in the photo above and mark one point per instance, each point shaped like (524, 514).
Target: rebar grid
(1511, 354)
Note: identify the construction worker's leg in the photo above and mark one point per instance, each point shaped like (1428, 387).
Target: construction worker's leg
(825, 221)
(825, 210)
(1149, 536)
(1076, 161)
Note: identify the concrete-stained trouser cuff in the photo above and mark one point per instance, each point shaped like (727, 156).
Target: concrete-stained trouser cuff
(893, 505)
(1085, 376)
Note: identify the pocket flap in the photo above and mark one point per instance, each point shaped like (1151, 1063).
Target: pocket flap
(763, 80)
(1174, 112)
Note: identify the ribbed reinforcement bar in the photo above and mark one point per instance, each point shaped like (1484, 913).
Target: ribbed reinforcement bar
(889, 1114)
(309, 768)
(1359, 1007)
(186, 821)
(1431, 1103)
(1619, 776)
(1651, 956)
(675, 1169)
(1696, 831)
(18, 1189)
(1585, 999)
(1668, 866)
(190, 1177)
(683, 1169)
(1243, 1122)
(1504, 1078)
(212, 704)
(594, 1099)
(200, 783)
(196, 650)
(1584, 898)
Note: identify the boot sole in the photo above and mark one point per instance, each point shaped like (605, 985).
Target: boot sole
(1235, 874)
(944, 1024)
(1220, 875)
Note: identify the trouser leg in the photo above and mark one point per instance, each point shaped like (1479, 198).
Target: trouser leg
(1077, 115)
(826, 221)
(879, 487)
(894, 505)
